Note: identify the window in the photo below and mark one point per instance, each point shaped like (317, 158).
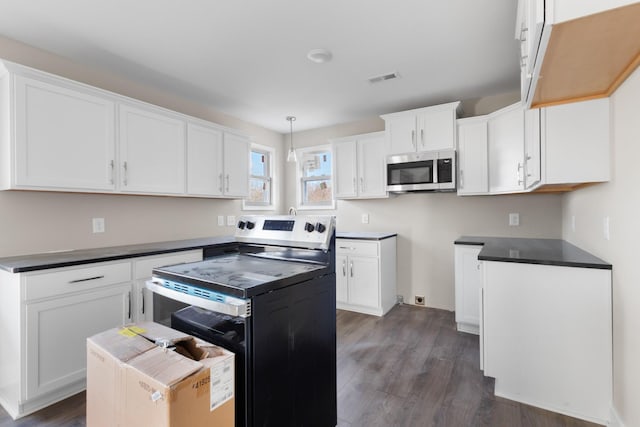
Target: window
(315, 183)
(261, 168)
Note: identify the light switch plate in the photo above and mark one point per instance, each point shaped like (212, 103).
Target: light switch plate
(221, 220)
(98, 225)
(231, 220)
(514, 219)
(365, 218)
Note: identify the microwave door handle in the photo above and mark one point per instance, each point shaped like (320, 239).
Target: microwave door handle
(435, 173)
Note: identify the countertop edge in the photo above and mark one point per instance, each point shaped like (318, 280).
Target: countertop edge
(357, 236)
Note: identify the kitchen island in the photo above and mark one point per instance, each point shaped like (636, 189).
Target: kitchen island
(544, 312)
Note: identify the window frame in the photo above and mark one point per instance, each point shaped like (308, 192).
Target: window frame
(300, 179)
(270, 169)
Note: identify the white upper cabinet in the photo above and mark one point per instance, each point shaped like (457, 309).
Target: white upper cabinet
(531, 148)
(64, 137)
(473, 150)
(575, 142)
(359, 166)
(204, 160)
(152, 151)
(60, 135)
(506, 150)
(236, 165)
(599, 38)
(422, 129)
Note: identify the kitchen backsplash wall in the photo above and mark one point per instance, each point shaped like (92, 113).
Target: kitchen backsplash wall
(584, 215)
(32, 222)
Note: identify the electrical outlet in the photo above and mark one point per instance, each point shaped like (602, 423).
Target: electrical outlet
(514, 219)
(98, 225)
(365, 218)
(231, 220)
(221, 220)
(419, 300)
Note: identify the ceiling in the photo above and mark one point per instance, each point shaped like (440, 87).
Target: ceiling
(247, 58)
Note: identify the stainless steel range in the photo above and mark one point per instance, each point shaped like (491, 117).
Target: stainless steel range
(273, 304)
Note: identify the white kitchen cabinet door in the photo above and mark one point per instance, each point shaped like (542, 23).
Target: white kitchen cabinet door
(152, 151)
(473, 176)
(532, 147)
(506, 150)
(64, 137)
(345, 168)
(342, 279)
(236, 165)
(372, 166)
(468, 281)
(401, 133)
(56, 333)
(204, 161)
(364, 281)
(436, 130)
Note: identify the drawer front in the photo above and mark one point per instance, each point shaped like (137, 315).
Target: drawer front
(356, 247)
(75, 279)
(142, 267)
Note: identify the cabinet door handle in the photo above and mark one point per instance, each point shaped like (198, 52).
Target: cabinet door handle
(344, 268)
(112, 167)
(220, 178)
(227, 183)
(523, 31)
(413, 139)
(422, 137)
(523, 60)
(461, 178)
(355, 184)
(351, 268)
(86, 279)
(520, 167)
(126, 173)
(129, 313)
(142, 298)
(346, 247)
(362, 184)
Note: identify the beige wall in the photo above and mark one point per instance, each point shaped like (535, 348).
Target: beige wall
(428, 223)
(32, 222)
(620, 201)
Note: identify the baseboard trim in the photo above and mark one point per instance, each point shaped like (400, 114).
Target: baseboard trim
(615, 420)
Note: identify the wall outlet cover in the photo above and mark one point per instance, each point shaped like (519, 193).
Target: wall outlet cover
(221, 220)
(231, 220)
(98, 225)
(419, 300)
(514, 219)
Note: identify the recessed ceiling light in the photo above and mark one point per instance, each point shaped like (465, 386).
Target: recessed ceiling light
(319, 56)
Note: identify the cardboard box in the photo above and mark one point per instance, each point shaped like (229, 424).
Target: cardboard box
(148, 374)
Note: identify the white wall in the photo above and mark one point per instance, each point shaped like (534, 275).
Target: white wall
(620, 201)
(32, 222)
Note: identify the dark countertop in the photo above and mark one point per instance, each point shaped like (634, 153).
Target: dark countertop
(533, 251)
(364, 235)
(20, 264)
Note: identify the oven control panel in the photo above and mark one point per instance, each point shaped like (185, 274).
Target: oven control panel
(307, 231)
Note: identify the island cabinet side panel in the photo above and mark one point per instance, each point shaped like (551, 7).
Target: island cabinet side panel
(548, 336)
(11, 348)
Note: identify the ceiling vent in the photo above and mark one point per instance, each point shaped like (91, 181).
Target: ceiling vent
(383, 77)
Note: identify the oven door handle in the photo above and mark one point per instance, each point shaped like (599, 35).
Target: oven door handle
(234, 307)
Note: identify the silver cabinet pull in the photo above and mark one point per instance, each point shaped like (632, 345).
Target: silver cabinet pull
(413, 139)
(520, 167)
(362, 183)
(351, 268)
(129, 313)
(112, 166)
(523, 31)
(86, 279)
(227, 183)
(347, 247)
(142, 297)
(422, 137)
(344, 268)
(220, 178)
(355, 184)
(126, 174)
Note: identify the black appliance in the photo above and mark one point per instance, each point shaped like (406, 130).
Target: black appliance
(273, 304)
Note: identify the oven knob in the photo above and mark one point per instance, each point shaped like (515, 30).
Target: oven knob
(320, 227)
(309, 227)
(241, 225)
(250, 225)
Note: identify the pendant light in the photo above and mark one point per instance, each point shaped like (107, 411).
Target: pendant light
(291, 157)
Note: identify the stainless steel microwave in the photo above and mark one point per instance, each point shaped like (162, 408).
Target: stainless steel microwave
(422, 171)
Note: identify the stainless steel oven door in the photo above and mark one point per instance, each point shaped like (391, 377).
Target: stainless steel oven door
(199, 297)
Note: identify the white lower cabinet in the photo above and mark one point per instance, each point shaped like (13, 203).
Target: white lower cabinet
(547, 336)
(468, 282)
(47, 315)
(56, 333)
(366, 275)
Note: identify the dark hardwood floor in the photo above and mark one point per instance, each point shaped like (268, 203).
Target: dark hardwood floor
(408, 368)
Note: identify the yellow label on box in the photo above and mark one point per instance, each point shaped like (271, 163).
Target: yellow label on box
(132, 331)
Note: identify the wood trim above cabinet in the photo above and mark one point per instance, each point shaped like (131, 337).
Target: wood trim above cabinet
(589, 57)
